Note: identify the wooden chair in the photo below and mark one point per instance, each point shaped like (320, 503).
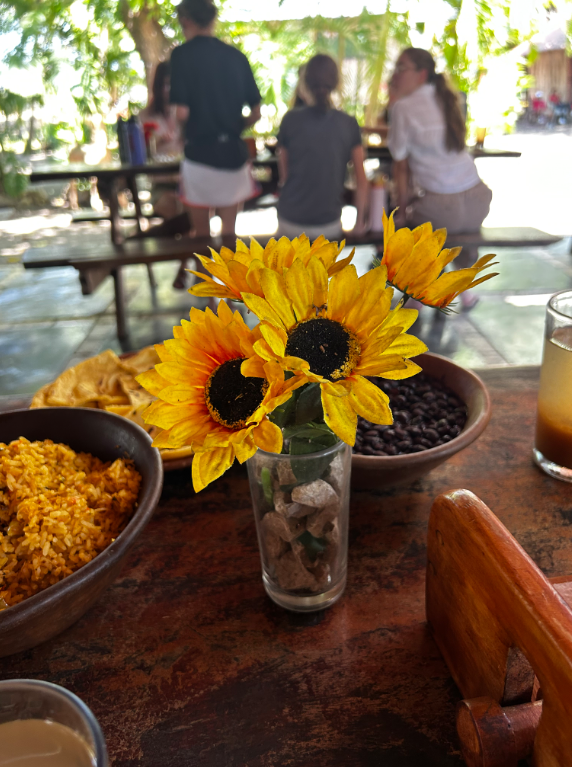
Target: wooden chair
(500, 625)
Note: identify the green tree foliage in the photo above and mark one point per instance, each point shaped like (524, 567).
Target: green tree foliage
(99, 37)
(13, 181)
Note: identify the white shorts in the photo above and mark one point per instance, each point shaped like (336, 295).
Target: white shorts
(331, 231)
(206, 187)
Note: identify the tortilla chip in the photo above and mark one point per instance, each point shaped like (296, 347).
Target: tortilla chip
(108, 382)
(90, 380)
(141, 362)
(40, 398)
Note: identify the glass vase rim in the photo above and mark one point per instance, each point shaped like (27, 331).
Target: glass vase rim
(283, 456)
(89, 718)
(554, 298)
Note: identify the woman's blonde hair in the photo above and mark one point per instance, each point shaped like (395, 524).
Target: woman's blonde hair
(455, 138)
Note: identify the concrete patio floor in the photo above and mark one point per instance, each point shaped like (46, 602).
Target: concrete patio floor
(46, 324)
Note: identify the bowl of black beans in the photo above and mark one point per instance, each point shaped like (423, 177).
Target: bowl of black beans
(436, 414)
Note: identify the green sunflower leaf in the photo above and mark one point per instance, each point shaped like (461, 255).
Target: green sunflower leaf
(309, 405)
(284, 413)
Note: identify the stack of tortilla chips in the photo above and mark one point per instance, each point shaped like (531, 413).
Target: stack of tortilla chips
(108, 383)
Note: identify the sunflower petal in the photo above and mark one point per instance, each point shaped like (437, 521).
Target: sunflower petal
(152, 382)
(340, 416)
(343, 293)
(411, 369)
(165, 416)
(268, 436)
(339, 265)
(245, 449)
(275, 338)
(262, 309)
(370, 401)
(319, 277)
(210, 465)
(253, 367)
(407, 346)
(182, 394)
(388, 227)
(397, 252)
(300, 290)
(210, 288)
(277, 296)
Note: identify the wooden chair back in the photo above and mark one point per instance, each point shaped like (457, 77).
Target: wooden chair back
(485, 597)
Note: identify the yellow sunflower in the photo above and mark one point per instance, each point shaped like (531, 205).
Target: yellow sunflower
(335, 334)
(415, 263)
(240, 272)
(204, 401)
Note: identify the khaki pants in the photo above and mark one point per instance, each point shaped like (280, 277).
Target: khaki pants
(462, 212)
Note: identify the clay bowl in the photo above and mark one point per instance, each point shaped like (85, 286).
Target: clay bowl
(106, 436)
(370, 471)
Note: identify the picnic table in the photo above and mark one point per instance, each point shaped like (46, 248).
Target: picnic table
(109, 175)
(186, 661)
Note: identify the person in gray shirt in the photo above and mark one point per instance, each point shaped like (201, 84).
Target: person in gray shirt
(316, 143)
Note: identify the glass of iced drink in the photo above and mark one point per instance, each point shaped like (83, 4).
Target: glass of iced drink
(44, 725)
(553, 442)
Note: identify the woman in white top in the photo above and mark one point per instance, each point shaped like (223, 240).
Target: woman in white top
(427, 142)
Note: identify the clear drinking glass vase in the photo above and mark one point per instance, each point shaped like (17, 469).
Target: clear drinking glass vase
(553, 440)
(301, 508)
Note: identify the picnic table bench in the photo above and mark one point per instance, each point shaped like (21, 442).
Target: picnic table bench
(96, 261)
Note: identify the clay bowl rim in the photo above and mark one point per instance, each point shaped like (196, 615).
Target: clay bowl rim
(120, 546)
(441, 452)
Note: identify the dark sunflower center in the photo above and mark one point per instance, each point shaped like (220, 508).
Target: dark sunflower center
(329, 347)
(231, 397)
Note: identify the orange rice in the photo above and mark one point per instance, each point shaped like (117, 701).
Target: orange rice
(58, 510)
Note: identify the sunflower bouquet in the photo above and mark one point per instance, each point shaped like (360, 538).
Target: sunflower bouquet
(295, 384)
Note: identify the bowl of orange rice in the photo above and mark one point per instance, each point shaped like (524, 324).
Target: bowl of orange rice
(77, 488)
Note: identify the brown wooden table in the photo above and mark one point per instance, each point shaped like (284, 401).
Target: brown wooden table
(186, 662)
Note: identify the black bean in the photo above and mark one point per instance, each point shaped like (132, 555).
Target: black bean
(415, 431)
(403, 416)
(404, 444)
(399, 432)
(431, 435)
(388, 435)
(368, 451)
(391, 450)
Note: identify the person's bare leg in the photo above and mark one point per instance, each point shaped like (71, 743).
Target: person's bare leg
(228, 218)
(200, 218)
